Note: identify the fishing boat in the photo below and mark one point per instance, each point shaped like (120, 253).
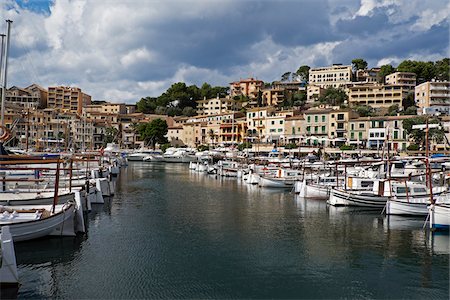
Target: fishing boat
(9, 277)
(362, 192)
(31, 222)
(439, 216)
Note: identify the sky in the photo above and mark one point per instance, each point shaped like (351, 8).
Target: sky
(123, 50)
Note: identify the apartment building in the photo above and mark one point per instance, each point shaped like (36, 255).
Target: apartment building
(314, 92)
(294, 129)
(317, 126)
(367, 75)
(231, 131)
(335, 76)
(273, 96)
(338, 125)
(67, 99)
(33, 96)
(256, 122)
(216, 106)
(357, 132)
(247, 87)
(175, 136)
(108, 108)
(406, 79)
(376, 96)
(433, 97)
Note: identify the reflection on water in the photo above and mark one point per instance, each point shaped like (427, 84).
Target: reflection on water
(173, 233)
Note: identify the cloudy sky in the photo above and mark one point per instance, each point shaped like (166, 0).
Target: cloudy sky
(122, 50)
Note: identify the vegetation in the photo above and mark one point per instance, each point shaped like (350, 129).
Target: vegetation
(384, 71)
(418, 135)
(154, 132)
(347, 147)
(413, 147)
(244, 145)
(365, 111)
(202, 148)
(303, 73)
(333, 96)
(111, 134)
(359, 64)
(178, 97)
(291, 146)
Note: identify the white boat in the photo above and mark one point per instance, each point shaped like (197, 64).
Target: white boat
(38, 197)
(142, 154)
(339, 197)
(32, 222)
(439, 216)
(9, 277)
(411, 199)
(319, 188)
(274, 182)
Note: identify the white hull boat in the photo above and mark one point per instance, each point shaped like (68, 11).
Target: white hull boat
(275, 182)
(9, 277)
(413, 207)
(27, 223)
(439, 216)
(354, 198)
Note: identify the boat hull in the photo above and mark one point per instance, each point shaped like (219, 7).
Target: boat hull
(399, 207)
(440, 216)
(346, 198)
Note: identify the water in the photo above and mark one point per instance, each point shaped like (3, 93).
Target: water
(172, 233)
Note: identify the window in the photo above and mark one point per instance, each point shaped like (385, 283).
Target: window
(273, 122)
(352, 135)
(272, 130)
(316, 119)
(352, 126)
(280, 129)
(309, 119)
(281, 122)
(316, 129)
(308, 128)
(293, 130)
(395, 135)
(323, 118)
(361, 125)
(360, 135)
(323, 128)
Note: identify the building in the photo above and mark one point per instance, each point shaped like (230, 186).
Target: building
(314, 92)
(246, 87)
(338, 125)
(67, 99)
(109, 108)
(33, 96)
(377, 96)
(367, 75)
(433, 97)
(335, 76)
(273, 96)
(405, 79)
(217, 106)
(294, 129)
(317, 126)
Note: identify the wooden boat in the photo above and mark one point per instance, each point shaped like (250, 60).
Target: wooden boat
(439, 216)
(9, 277)
(32, 222)
(339, 197)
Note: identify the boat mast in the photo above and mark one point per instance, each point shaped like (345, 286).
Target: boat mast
(5, 69)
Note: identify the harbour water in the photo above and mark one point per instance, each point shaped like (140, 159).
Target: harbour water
(172, 233)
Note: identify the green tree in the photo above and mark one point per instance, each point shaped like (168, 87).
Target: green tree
(333, 96)
(359, 64)
(408, 101)
(364, 111)
(189, 111)
(393, 110)
(410, 111)
(442, 69)
(384, 71)
(418, 135)
(303, 72)
(286, 76)
(154, 132)
(111, 134)
(425, 71)
(146, 105)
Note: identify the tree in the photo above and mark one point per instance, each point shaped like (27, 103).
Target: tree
(303, 72)
(189, 111)
(146, 105)
(154, 132)
(384, 71)
(425, 71)
(359, 64)
(333, 96)
(418, 135)
(393, 110)
(110, 135)
(410, 111)
(408, 101)
(442, 69)
(286, 76)
(364, 111)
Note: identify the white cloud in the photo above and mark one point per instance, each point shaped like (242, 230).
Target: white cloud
(137, 56)
(124, 50)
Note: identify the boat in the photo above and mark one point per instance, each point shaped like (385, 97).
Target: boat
(32, 222)
(439, 216)
(362, 192)
(9, 277)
